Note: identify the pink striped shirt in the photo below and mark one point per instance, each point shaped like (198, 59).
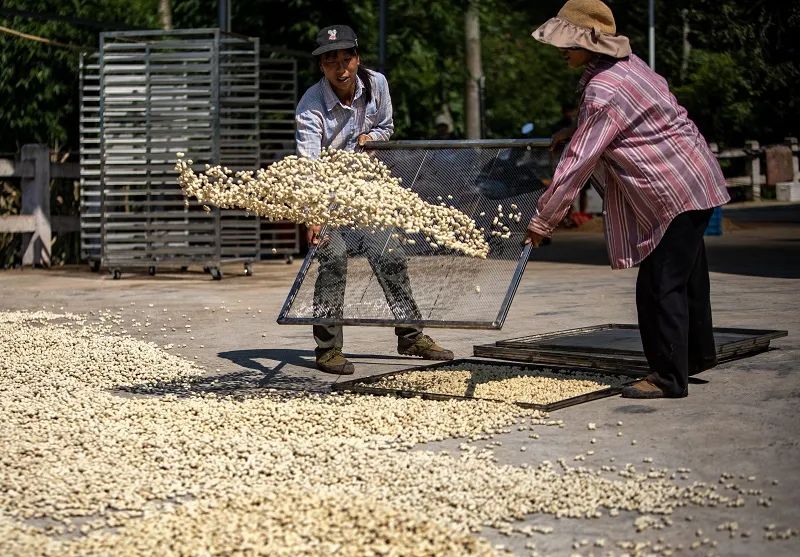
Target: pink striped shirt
(642, 150)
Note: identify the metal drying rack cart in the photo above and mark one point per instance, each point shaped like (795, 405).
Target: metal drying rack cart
(147, 95)
(277, 100)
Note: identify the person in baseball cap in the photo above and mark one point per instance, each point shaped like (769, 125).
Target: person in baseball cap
(349, 106)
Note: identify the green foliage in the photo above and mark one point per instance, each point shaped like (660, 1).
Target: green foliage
(742, 67)
(39, 82)
(425, 42)
(194, 14)
(39, 94)
(526, 81)
(424, 62)
(717, 95)
(739, 79)
(762, 37)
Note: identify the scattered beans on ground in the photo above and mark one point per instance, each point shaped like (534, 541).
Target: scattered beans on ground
(111, 446)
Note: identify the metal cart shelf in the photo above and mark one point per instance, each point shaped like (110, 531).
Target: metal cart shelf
(147, 95)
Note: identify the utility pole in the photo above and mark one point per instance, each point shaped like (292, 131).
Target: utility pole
(472, 104)
(225, 15)
(382, 36)
(652, 33)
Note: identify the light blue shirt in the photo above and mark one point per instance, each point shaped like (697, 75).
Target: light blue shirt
(323, 121)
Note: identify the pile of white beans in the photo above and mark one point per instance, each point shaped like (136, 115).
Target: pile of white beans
(340, 189)
(507, 383)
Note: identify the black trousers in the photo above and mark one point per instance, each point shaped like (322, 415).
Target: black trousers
(674, 306)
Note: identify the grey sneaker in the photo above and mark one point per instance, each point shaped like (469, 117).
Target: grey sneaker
(424, 347)
(333, 361)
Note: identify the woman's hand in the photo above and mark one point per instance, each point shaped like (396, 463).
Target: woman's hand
(561, 136)
(533, 238)
(363, 138)
(312, 235)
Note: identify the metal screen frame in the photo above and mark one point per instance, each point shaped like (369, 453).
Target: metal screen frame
(496, 324)
(524, 256)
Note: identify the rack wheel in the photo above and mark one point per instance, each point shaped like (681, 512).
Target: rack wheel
(151, 271)
(216, 273)
(206, 269)
(248, 269)
(289, 259)
(95, 266)
(116, 274)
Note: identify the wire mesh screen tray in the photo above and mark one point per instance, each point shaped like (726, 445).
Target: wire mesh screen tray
(361, 278)
(478, 387)
(615, 347)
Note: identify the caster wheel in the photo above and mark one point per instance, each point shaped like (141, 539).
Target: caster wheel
(216, 273)
(248, 270)
(206, 269)
(116, 274)
(151, 271)
(289, 259)
(95, 266)
(184, 269)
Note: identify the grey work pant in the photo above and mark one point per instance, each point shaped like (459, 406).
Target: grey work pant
(391, 271)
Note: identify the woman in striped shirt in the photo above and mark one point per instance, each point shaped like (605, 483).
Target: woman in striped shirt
(659, 181)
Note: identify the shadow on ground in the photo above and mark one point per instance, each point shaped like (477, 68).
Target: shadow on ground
(252, 380)
(294, 371)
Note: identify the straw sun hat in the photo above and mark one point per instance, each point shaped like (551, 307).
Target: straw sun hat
(585, 24)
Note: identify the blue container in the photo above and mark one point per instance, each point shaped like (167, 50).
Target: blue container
(714, 227)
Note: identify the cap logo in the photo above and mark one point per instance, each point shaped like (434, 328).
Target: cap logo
(331, 34)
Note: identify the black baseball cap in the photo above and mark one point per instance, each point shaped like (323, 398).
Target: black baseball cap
(335, 37)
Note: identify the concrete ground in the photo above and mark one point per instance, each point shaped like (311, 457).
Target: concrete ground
(740, 418)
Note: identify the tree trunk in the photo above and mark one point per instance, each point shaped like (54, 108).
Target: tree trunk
(472, 104)
(687, 47)
(165, 14)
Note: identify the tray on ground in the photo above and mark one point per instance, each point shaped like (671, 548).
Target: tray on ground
(366, 385)
(615, 347)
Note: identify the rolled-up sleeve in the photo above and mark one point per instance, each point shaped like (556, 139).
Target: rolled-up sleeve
(384, 124)
(308, 134)
(596, 130)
